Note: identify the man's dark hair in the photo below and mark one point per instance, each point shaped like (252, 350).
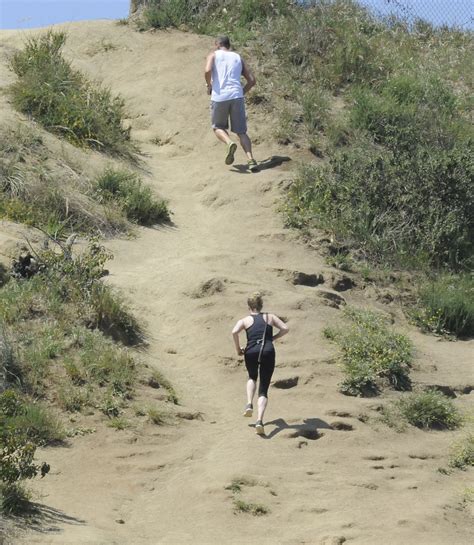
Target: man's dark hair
(223, 41)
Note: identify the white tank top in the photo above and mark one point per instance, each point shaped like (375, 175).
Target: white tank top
(226, 72)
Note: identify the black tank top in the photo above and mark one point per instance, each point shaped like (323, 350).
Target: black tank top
(255, 334)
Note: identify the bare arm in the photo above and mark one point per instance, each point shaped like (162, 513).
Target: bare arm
(208, 71)
(283, 328)
(239, 326)
(248, 75)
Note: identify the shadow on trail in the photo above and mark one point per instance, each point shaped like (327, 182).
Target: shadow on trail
(271, 162)
(309, 428)
(44, 519)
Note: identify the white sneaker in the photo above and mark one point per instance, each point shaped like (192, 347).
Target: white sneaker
(248, 410)
(259, 428)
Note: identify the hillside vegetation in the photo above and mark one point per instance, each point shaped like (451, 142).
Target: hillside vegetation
(384, 105)
(65, 334)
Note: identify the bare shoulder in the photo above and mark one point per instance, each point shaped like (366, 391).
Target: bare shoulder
(247, 321)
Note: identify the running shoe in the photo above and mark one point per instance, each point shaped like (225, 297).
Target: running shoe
(259, 428)
(231, 149)
(253, 165)
(248, 410)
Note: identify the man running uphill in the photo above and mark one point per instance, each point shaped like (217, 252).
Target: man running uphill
(224, 69)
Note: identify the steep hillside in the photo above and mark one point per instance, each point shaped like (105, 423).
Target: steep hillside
(329, 470)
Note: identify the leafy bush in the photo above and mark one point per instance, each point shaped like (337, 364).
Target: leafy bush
(372, 354)
(462, 453)
(429, 410)
(136, 200)
(17, 448)
(377, 201)
(447, 305)
(64, 101)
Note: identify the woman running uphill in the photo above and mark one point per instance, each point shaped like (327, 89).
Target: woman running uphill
(259, 353)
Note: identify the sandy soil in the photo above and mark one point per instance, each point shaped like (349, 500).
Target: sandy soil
(365, 484)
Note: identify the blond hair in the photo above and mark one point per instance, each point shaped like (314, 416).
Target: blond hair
(255, 301)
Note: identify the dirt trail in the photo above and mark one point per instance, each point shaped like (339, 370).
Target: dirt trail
(367, 484)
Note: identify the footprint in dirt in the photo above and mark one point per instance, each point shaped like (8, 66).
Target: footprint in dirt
(286, 383)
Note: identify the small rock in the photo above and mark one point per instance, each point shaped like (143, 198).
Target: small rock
(120, 521)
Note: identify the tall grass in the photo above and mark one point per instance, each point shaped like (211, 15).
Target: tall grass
(64, 101)
(125, 189)
(41, 189)
(447, 305)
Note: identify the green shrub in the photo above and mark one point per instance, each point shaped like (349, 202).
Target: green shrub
(377, 201)
(429, 410)
(462, 453)
(400, 114)
(64, 101)
(38, 424)
(16, 465)
(136, 200)
(119, 423)
(255, 509)
(372, 354)
(57, 319)
(34, 422)
(447, 305)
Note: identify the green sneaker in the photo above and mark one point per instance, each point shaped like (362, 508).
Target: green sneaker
(229, 158)
(253, 165)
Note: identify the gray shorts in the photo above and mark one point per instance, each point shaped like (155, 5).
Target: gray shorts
(235, 109)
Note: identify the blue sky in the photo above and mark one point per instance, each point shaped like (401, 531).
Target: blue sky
(37, 13)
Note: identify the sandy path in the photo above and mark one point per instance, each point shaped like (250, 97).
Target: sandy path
(367, 486)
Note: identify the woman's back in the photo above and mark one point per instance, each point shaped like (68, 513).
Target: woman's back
(255, 333)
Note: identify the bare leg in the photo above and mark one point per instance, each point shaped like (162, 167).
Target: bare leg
(223, 136)
(246, 144)
(262, 405)
(251, 386)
